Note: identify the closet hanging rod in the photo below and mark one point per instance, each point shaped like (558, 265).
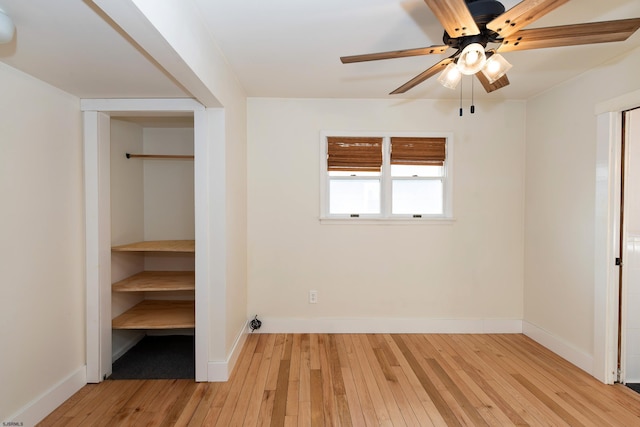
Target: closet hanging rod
(158, 156)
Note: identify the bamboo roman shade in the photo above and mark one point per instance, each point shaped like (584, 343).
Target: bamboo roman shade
(354, 154)
(418, 151)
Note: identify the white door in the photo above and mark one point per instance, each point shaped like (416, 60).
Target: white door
(630, 363)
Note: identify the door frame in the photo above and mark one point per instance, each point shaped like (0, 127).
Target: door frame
(96, 116)
(607, 234)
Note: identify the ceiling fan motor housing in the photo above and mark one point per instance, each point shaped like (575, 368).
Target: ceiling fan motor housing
(483, 12)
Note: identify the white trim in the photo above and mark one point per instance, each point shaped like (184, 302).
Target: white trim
(218, 371)
(335, 325)
(97, 244)
(203, 237)
(144, 104)
(607, 215)
(559, 346)
(389, 221)
(221, 371)
(385, 216)
(92, 276)
(36, 410)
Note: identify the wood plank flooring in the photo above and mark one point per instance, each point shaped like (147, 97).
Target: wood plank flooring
(368, 380)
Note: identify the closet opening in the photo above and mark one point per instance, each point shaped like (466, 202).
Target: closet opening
(152, 222)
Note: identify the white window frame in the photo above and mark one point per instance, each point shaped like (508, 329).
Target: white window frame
(385, 178)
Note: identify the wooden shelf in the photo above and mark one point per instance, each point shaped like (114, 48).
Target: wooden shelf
(158, 246)
(156, 281)
(156, 314)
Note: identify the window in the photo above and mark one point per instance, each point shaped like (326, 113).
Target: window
(386, 176)
(354, 166)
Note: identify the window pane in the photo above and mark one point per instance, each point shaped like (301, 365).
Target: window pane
(416, 170)
(354, 196)
(414, 196)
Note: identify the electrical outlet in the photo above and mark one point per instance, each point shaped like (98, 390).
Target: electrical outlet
(313, 297)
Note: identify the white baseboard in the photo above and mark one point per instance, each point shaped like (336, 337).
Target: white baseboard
(390, 325)
(43, 405)
(559, 346)
(220, 371)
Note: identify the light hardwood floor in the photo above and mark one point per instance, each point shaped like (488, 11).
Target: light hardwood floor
(368, 380)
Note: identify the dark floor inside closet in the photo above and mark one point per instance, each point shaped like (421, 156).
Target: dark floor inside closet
(634, 386)
(158, 357)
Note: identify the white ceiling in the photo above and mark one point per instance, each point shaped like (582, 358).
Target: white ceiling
(289, 48)
(71, 45)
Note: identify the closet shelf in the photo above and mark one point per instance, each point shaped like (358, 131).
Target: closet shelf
(158, 246)
(157, 314)
(157, 281)
(159, 156)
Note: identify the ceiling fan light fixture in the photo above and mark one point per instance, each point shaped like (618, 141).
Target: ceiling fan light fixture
(472, 59)
(496, 67)
(7, 28)
(450, 77)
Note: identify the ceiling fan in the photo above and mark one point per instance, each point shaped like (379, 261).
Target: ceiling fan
(471, 25)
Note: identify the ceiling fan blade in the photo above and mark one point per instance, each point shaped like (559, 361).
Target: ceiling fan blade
(521, 15)
(423, 76)
(454, 17)
(571, 35)
(490, 87)
(394, 54)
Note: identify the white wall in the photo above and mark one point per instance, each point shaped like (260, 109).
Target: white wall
(42, 318)
(560, 201)
(470, 269)
(127, 185)
(168, 185)
(127, 223)
(168, 195)
(150, 199)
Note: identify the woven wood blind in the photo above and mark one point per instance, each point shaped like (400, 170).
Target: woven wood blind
(418, 151)
(354, 154)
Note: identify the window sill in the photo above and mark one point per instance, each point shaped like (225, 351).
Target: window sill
(388, 221)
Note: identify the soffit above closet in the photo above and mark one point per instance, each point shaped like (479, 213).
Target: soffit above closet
(156, 119)
(74, 46)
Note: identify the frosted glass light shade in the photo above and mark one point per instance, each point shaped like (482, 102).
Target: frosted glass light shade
(450, 77)
(496, 67)
(6, 28)
(472, 59)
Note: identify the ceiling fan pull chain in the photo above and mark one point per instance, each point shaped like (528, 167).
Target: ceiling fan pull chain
(460, 98)
(473, 107)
